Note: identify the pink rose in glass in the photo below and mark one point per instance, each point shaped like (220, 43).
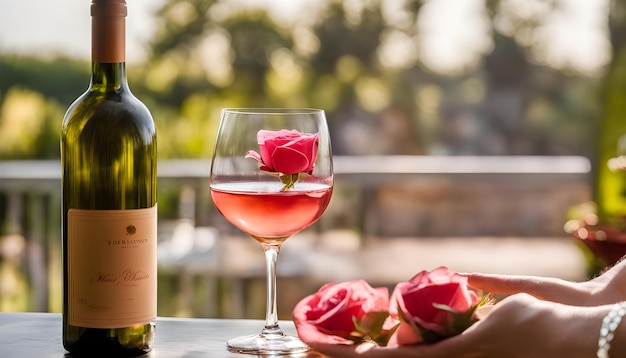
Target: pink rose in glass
(286, 151)
(339, 312)
(431, 306)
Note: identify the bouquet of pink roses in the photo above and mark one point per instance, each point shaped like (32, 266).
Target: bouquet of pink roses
(431, 306)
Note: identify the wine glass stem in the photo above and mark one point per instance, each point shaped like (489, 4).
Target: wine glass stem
(271, 314)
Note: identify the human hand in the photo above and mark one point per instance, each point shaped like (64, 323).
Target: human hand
(520, 326)
(610, 287)
(523, 326)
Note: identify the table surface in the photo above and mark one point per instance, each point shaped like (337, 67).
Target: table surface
(39, 335)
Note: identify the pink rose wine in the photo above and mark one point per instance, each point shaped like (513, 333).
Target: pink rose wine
(269, 215)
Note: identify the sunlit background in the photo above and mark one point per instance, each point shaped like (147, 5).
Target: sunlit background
(402, 78)
(448, 36)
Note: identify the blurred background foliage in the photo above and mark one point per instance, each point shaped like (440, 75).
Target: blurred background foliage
(370, 64)
(414, 77)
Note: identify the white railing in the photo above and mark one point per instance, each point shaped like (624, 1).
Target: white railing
(17, 170)
(376, 196)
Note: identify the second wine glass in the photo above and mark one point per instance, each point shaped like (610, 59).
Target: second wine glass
(271, 177)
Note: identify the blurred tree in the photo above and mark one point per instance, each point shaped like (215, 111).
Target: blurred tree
(371, 114)
(370, 64)
(34, 93)
(58, 78)
(363, 62)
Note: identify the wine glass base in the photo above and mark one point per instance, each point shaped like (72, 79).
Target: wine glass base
(262, 344)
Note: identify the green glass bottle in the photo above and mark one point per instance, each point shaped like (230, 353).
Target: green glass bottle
(108, 155)
(610, 172)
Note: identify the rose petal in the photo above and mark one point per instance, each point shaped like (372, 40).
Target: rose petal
(264, 135)
(289, 161)
(329, 314)
(306, 316)
(266, 154)
(309, 334)
(418, 305)
(415, 301)
(404, 335)
(254, 155)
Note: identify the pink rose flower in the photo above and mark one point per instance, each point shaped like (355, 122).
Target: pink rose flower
(328, 316)
(286, 151)
(431, 306)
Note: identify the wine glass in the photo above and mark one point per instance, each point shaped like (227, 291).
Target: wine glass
(271, 177)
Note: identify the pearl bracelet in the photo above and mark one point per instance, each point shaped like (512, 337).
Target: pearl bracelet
(609, 325)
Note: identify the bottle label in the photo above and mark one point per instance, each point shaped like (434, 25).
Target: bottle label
(112, 267)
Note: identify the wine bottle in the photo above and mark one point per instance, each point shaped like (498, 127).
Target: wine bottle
(108, 156)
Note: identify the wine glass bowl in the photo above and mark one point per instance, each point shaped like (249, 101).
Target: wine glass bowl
(271, 177)
(270, 217)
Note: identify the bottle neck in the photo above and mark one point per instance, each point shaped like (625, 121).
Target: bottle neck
(108, 44)
(108, 76)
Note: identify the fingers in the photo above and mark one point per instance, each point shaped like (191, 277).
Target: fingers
(506, 284)
(545, 288)
(456, 347)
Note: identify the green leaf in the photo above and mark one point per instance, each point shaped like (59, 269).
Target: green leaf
(459, 321)
(370, 328)
(371, 323)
